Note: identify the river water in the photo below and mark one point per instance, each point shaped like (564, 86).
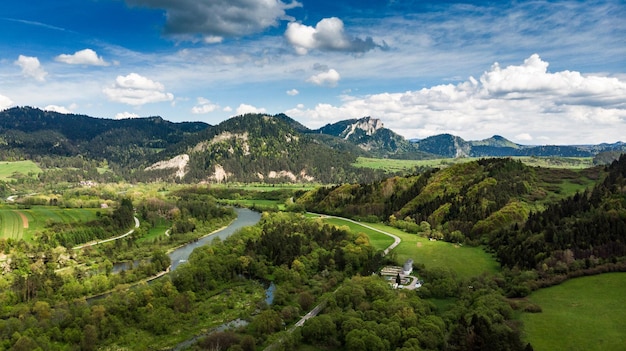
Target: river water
(245, 218)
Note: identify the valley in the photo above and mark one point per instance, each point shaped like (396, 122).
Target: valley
(490, 237)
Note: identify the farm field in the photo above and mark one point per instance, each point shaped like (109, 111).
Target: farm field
(23, 223)
(23, 167)
(585, 313)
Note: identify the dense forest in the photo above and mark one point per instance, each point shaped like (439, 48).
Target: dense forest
(580, 231)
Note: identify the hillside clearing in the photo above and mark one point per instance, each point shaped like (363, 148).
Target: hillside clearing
(8, 169)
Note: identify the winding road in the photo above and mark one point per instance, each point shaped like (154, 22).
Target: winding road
(97, 242)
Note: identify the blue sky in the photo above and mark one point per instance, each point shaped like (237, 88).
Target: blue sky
(540, 72)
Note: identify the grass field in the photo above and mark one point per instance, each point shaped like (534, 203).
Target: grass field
(586, 313)
(12, 224)
(378, 240)
(24, 167)
(465, 261)
(391, 165)
(158, 230)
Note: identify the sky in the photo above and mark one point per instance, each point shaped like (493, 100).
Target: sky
(535, 72)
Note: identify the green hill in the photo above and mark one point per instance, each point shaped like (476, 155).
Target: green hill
(473, 198)
(259, 148)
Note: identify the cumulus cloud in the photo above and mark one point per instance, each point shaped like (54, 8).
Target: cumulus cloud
(328, 78)
(293, 92)
(204, 106)
(82, 57)
(60, 109)
(5, 102)
(31, 68)
(137, 90)
(126, 115)
(244, 108)
(328, 35)
(524, 101)
(216, 19)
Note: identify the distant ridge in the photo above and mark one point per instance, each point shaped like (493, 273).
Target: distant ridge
(447, 145)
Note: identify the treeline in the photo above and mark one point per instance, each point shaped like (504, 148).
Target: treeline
(69, 235)
(364, 314)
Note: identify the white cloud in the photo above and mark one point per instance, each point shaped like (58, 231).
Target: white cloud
(125, 115)
(244, 108)
(204, 106)
(31, 68)
(328, 78)
(61, 109)
(215, 19)
(82, 57)
(137, 90)
(227, 109)
(293, 92)
(329, 35)
(524, 137)
(5, 102)
(520, 100)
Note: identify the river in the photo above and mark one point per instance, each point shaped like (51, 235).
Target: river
(245, 218)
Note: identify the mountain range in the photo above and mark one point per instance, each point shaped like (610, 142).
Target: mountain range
(252, 147)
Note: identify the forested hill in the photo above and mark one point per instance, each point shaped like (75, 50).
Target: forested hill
(257, 147)
(581, 231)
(462, 202)
(32, 133)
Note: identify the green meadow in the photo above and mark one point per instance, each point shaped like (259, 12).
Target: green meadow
(8, 169)
(378, 240)
(587, 313)
(465, 261)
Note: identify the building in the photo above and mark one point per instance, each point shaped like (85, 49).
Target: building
(408, 267)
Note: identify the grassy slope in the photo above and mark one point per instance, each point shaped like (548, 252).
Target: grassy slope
(378, 240)
(465, 261)
(24, 167)
(580, 314)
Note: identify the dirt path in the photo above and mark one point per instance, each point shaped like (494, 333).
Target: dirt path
(24, 219)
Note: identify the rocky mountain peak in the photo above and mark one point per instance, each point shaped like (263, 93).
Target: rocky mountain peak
(367, 124)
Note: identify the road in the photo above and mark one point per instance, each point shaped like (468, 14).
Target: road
(97, 242)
